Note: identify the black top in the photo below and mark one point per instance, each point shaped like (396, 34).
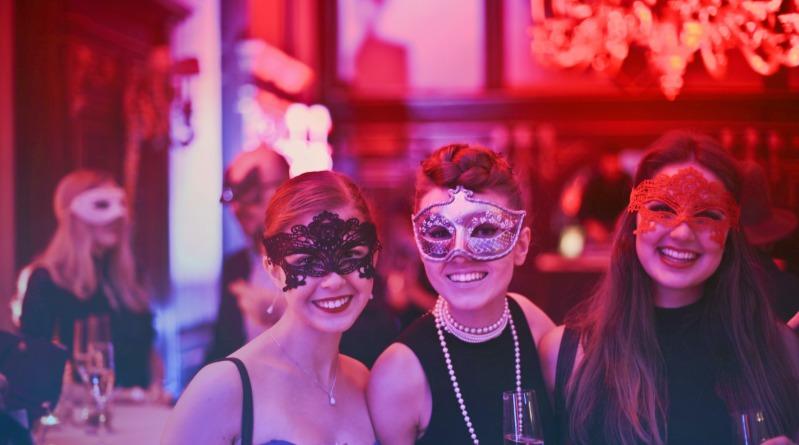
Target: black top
(484, 371)
(49, 312)
(696, 414)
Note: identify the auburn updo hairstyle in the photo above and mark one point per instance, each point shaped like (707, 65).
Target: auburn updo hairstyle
(474, 167)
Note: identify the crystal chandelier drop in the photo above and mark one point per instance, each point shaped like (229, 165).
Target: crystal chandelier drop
(599, 34)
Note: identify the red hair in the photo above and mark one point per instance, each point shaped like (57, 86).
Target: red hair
(310, 194)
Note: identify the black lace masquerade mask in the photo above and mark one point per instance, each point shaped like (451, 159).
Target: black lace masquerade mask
(328, 244)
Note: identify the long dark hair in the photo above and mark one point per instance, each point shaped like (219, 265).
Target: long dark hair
(622, 371)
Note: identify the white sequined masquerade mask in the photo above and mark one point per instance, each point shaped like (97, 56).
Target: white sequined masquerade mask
(464, 225)
(100, 205)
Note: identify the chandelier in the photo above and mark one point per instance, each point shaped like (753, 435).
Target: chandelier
(599, 34)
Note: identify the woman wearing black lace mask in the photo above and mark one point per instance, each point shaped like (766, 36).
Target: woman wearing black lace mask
(290, 384)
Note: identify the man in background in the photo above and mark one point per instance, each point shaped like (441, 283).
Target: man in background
(250, 302)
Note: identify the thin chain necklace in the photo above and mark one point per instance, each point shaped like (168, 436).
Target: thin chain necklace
(438, 313)
(330, 397)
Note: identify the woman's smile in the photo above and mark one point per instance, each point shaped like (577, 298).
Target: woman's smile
(333, 305)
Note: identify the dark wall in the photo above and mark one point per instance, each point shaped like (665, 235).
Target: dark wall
(83, 76)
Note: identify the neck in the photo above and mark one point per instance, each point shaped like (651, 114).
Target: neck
(480, 316)
(315, 351)
(672, 298)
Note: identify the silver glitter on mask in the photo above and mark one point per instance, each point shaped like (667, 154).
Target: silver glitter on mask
(464, 225)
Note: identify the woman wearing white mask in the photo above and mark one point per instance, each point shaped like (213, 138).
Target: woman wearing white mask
(88, 269)
(442, 382)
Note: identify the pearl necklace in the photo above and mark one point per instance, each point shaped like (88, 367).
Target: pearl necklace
(474, 335)
(439, 314)
(330, 397)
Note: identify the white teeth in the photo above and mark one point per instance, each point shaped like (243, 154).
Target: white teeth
(332, 304)
(467, 277)
(677, 255)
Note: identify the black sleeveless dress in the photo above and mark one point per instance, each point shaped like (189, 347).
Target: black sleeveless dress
(696, 414)
(484, 372)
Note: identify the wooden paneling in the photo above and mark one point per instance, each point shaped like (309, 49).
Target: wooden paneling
(77, 63)
(7, 269)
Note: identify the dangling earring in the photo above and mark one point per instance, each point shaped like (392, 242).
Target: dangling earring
(271, 307)
(371, 296)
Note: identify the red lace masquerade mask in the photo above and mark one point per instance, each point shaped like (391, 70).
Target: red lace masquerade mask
(686, 197)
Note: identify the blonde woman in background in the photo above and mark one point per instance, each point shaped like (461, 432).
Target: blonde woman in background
(88, 269)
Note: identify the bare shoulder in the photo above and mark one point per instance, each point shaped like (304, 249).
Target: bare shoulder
(539, 321)
(398, 396)
(397, 364)
(548, 350)
(216, 388)
(356, 371)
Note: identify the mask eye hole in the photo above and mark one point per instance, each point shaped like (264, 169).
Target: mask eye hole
(439, 233)
(102, 204)
(715, 215)
(657, 206)
(299, 259)
(356, 253)
(485, 230)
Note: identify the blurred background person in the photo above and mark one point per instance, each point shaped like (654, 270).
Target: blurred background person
(604, 198)
(88, 269)
(764, 226)
(249, 302)
(596, 196)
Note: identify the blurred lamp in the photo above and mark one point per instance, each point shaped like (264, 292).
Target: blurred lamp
(572, 241)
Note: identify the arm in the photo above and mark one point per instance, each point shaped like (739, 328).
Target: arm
(548, 351)
(196, 417)
(398, 396)
(540, 323)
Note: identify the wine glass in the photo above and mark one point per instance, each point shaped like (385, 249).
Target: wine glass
(521, 423)
(751, 427)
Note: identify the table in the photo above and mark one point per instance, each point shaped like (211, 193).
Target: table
(134, 424)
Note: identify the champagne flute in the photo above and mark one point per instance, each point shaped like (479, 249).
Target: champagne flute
(521, 423)
(100, 372)
(93, 356)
